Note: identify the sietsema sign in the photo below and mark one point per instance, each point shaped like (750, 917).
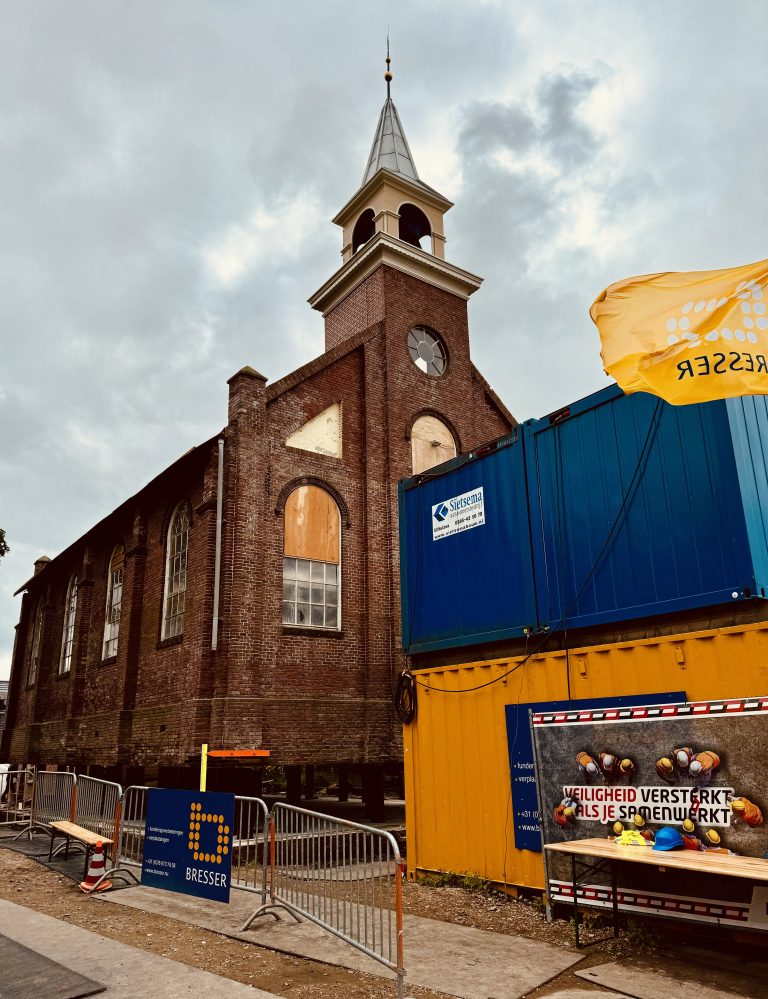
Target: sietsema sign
(188, 842)
(457, 514)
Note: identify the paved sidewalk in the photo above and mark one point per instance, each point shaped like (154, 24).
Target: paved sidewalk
(128, 972)
(457, 960)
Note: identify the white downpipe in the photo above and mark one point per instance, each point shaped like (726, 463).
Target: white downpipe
(217, 555)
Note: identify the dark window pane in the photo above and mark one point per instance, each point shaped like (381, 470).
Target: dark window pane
(289, 590)
(302, 592)
(331, 595)
(302, 614)
(317, 571)
(316, 593)
(331, 617)
(331, 571)
(317, 617)
(289, 568)
(289, 613)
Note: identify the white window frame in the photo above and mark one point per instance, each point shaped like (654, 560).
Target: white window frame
(68, 632)
(296, 624)
(175, 588)
(114, 607)
(293, 580)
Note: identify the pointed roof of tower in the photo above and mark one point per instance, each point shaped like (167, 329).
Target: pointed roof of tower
(390, 149)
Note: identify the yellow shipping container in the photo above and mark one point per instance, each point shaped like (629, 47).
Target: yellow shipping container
(457, 780)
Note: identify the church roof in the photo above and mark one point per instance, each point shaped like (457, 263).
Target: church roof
(390, 146)
(390, 150)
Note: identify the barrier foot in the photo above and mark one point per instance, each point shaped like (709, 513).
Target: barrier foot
(118, 872)
(267, 910)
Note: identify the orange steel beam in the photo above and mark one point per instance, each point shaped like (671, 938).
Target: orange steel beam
(238, 752)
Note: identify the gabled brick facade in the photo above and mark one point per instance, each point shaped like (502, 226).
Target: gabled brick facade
(308, 696)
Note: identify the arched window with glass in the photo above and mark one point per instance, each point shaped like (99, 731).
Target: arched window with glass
(33, 668)
(68, 632)
(114, 602)
(312, 560)
(176, 552)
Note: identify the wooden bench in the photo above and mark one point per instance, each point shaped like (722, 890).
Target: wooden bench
(592, 854)
(72, 831)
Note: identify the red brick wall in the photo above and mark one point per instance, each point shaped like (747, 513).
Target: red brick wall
(310, 697)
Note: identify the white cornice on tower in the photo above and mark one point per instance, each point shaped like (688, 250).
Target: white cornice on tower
(382, 250)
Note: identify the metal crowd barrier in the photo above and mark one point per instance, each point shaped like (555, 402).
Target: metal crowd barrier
(250, 855)
(343, 876)
(54, 799)
(17, 789)
(96, 808)
(129, 853)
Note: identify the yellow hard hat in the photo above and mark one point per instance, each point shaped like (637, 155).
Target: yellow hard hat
(618, 828)
(638, 820)
(569, 812)
(737, 805)
(713, 836)
(688, 825)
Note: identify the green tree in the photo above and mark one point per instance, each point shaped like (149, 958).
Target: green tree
(4, 549)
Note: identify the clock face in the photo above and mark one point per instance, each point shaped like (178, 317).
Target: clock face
(427, 351)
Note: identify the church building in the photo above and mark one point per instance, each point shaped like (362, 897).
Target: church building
(248, 596)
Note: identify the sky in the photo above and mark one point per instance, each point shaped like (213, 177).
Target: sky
(168, 172)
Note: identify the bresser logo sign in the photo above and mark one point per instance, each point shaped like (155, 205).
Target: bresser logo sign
(460, 513)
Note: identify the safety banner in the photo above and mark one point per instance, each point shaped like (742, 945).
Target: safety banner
(691, 776)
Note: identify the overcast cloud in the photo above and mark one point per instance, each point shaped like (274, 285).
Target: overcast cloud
(168, 171)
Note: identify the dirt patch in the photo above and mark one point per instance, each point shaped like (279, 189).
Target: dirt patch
(28, 883)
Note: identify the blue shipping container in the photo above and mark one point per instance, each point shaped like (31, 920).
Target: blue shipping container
(616, 508)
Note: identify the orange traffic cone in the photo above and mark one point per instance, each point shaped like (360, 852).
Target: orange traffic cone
(95, 870)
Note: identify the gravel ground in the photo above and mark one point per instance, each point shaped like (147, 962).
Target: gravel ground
(28, 883)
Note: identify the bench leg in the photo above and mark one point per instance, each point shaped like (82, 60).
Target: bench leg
(575, 898)
(87, 855)
(50, 849)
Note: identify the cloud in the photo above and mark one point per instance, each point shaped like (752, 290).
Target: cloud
(279, 232)
(168, 173)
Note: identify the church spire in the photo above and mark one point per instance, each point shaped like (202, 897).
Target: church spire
(390, 149)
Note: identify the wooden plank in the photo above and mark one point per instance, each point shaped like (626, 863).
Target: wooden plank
(431, 443)
(80, 833)
(239, 753)
(312, 525)
(751, 868)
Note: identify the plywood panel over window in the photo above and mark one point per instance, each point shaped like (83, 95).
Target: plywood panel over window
(312, 525)
(431, 443)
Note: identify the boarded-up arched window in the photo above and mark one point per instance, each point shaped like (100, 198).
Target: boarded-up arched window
(312, 559)
(114, 603)
(431, 443)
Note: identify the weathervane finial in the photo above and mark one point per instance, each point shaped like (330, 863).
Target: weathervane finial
(388, 74)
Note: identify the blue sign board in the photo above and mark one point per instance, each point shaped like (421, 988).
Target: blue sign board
(525, 805)
(188, 842)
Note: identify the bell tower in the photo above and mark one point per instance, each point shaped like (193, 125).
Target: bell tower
(395, 220)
